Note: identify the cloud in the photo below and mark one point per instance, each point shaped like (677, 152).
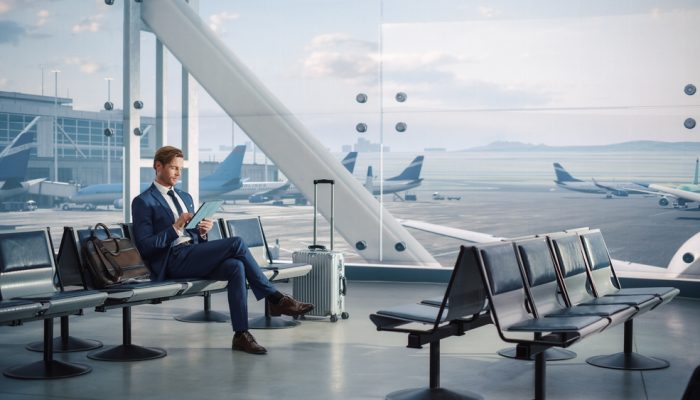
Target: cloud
(11, 32)
(92, 23)
(86, 66)
(6, 6)
(42, 17)
(3, 83)
(216, 21)
(488, 12)
(338, 55)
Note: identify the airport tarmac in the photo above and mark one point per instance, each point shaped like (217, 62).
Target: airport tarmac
(636, 228)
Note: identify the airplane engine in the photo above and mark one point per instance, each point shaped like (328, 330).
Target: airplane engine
(119, 204)
(663, 202)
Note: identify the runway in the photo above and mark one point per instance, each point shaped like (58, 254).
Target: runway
(636, 228)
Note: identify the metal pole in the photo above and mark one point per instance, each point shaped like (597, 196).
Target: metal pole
(381, 132)
(55, 126)
(109, 138)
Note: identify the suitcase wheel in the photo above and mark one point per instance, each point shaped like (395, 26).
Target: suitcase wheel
(344, 315)
(334, 318)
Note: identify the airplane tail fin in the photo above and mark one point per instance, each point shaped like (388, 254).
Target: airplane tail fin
(230, 168)
(349, 161)
(14, 158)
(695, 179)
(563, 175)
(370, 178)
(412, 172)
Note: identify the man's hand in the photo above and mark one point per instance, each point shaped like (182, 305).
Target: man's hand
(204, 226)
(182, 221)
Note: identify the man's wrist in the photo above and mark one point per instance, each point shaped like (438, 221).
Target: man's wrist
(179, 231)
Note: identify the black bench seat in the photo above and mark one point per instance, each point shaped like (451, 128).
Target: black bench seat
(426, 324)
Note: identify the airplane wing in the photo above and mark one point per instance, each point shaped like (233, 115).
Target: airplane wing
(680, 194)
(455, 233)
(623, 189)
(685, 264)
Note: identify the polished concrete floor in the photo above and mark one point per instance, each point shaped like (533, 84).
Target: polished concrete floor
(344, 360)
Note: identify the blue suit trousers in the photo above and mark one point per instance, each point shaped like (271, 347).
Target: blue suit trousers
(228, 260)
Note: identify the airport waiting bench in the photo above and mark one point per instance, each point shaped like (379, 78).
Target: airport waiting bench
(558, 288)
(28, 291)
(124, 296)
(70, 261)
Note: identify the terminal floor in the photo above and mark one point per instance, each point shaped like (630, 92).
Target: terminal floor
(344, 360)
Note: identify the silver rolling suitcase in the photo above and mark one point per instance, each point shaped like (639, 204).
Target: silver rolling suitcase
(325, 286)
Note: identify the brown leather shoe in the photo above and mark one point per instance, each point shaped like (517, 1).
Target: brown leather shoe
(290, 306)
(246, 342)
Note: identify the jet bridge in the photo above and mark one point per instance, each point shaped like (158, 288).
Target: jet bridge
(273, 128)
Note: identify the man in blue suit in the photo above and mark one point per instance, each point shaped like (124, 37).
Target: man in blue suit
(160, 214)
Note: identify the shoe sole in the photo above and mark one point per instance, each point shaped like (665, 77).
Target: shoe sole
(249, 352)
(291, 315)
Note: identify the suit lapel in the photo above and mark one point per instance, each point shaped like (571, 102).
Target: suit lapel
(161, 200)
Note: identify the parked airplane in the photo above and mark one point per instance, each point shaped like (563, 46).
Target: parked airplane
(14, 160)
(409, 178)
(621, 189)
(225, 178)
(681, 195)
(261, 192)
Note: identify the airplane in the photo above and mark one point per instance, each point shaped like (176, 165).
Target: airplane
(14, 160)
(225, 178)
(680, 194)
(685, 263)
(621, 189)
(261, 192)
(409, 178)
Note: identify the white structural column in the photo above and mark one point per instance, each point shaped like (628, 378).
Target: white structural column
(278, 132)
(190, 127)
(161, 95)
(132, 116)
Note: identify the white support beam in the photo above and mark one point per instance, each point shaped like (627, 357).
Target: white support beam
(132, 116)
(161, 95)
(190, 127)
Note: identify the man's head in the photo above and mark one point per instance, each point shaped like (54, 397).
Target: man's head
(168, 165)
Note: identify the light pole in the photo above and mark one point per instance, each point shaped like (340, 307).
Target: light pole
(109, 132)
(55, 125)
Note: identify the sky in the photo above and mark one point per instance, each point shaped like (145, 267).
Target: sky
(553, 72)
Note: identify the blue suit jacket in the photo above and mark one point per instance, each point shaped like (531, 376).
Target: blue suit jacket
(153, 228)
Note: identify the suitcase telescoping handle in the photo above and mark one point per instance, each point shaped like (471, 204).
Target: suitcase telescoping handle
(317, 182)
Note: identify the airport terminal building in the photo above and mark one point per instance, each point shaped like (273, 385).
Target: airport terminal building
(83, 148)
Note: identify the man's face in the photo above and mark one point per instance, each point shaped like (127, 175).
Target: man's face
(168, 174)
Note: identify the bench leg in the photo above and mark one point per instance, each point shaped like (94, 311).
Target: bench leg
(66, 343)
(48, 368)
(267, 321)
(628, 359)
(127, 351)
(540, 376)
(434, 392)
(206, 315)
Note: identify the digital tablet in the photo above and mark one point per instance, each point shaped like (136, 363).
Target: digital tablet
(205, 211)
